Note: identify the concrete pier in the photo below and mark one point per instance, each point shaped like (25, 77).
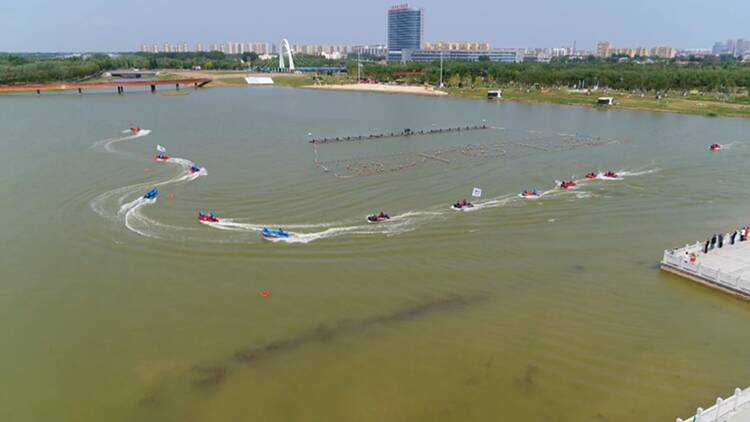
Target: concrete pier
(731, 409)
(726, 268)
(403, 133)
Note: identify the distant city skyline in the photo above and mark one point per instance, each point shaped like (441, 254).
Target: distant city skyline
(88, 25)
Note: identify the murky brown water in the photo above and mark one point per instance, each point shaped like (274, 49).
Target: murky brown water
(524, 310)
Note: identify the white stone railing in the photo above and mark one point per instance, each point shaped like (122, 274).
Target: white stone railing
(680, 259)
(722, 409)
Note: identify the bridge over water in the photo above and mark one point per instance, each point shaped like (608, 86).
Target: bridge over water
(119, 85)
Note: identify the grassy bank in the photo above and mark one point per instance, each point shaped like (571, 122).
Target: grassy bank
(293, 80)
(705, 106)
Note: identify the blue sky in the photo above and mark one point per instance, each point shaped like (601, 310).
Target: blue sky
(106, 25)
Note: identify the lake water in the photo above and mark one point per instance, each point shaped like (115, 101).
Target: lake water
(526, 310)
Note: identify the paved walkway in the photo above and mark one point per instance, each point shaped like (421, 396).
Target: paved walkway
(731, 259)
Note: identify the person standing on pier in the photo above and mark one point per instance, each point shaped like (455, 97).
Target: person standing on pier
(713, 242)
(705, 247)
(721, 240)
(734, 235)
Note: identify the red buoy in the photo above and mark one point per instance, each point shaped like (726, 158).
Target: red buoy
(265, 293)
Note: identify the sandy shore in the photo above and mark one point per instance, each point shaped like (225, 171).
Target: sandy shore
(389, 89)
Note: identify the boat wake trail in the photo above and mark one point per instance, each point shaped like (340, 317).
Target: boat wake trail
(118, 204)
(109, 142)
(626, 173)
(619, 174)
(306, 233)
(102, 203)
(128, 212)
(407, 221)
(730, 145)
(491, 203)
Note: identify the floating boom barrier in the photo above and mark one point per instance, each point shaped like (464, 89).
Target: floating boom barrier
(403, 133)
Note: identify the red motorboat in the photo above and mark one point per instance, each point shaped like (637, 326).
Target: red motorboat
(567, 185)
(378, 218)
(207, 218)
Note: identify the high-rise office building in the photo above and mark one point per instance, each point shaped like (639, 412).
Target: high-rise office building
(405, 30)
(603, 48)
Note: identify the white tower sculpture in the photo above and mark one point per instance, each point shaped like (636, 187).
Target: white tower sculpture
(282, 44)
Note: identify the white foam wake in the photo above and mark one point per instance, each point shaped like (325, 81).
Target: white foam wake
(300, 233)
(109, 142)
(625, 173)
(129, 212)
(113, 204)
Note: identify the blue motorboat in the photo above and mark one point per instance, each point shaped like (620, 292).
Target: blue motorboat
(274, 234)
(152, 194)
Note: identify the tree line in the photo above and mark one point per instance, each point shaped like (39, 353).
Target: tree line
(41, 68)
(712, 73)
(708, 74)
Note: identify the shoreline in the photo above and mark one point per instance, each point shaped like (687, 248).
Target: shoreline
(704, 105)
(381, 88)
(701, 106)
(696, 106)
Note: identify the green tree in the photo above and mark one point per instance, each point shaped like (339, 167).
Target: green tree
(454, 80)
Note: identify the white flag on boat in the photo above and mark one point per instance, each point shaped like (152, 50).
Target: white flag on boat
(160, 148)
(476, 192)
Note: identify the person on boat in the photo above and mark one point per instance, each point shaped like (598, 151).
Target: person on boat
(194, 168)
(591, 175)
(201, 214)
